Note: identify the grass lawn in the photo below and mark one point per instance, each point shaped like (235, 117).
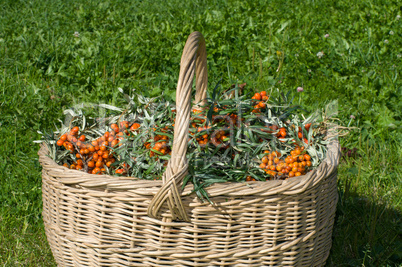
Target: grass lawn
(54, 54)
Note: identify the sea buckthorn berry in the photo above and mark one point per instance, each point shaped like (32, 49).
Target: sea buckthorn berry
(291, 174)
(300, 165)
(105, 143)
(82, 138)
(300, 135)
(158, 146)
(63, 137)
(99, 164)
(264, 98)
(115, 142)
(265, 160)
(60, 142)
(263, 165)
(307, 157)
(257, 96)
(75, 129)
(66, 165)
(113, 126)
(263, 93)
(96, 171)
(308, 163)
(298, 174)
(91, 164)
(261, 105)
(135, 126)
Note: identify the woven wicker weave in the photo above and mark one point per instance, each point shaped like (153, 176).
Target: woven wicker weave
(100, 220)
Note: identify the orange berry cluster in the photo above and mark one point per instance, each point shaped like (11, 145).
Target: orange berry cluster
(161, 143)
(262, 97)
(295, 164)
(300, 133)
(204, 138)
(93, 156)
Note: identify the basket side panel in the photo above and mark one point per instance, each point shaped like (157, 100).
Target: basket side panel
(94, 226)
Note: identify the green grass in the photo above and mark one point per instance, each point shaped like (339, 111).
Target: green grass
(44, 68)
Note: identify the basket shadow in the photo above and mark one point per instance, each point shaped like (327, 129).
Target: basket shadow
(366, 232)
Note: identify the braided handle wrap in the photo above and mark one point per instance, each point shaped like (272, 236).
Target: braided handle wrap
(194, 58)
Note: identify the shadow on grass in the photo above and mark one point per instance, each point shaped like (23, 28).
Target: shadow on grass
(366, 232)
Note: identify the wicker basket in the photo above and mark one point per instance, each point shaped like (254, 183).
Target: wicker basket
(100, 220)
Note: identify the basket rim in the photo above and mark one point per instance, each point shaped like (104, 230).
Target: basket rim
(295, 185)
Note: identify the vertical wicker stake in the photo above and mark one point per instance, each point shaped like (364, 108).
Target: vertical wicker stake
(194, 58)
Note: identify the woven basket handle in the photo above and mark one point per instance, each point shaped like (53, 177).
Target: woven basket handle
(194, 59)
